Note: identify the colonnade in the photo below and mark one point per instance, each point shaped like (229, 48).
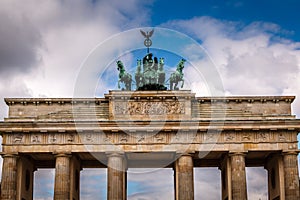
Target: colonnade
(283, 176)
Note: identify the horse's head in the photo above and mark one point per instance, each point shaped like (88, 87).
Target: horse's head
(161, 64)
(139, 62)
(162, 61)
(182, 61)
(120, 65)
(181, 64)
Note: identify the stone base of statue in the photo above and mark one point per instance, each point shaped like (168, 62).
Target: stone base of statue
(152, 87)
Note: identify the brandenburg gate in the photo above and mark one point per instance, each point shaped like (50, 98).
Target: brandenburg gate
(151, 127)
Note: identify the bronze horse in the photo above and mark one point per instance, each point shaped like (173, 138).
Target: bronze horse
(177, 76)
(124, 76)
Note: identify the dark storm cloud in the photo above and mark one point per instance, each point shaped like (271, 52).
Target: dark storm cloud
(19, 44)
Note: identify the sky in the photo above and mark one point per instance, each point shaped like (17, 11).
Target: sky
(254, 48)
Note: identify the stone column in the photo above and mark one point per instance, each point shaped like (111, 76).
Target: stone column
(116, 177)
(9, 177)
(62, 177)
(291, 175)
(184, 178)
(238, 176)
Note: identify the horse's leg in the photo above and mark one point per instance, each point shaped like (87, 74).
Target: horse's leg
(119, 83)
(182, 83)
(175, 86)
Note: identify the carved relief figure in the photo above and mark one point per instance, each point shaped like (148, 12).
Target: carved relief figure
(246, 136)
(210, 136)
(35, 139)
(106, 139)
(159, 138)
(18, 138)
(123, 138)
(70, 138)
(88, 137)
(141, 138)
(52, 138)
(229, 136)
(262, 136)
(281, 137)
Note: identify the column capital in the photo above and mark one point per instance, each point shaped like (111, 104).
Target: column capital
(184, 153)
(294, 152)
(115, 154)
(62, 154)
(237, 153)
(7, 155)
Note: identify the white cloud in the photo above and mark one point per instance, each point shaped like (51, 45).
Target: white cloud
(145, 184)
(207, 183)
(257, 183)
(251, 59)
(93, 184)
(43, 184)
(56, 37)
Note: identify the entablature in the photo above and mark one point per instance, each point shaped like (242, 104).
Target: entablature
(142, 126)
(149, 105)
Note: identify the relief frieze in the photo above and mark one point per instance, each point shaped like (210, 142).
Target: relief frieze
(145, 138)
(149, 108)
